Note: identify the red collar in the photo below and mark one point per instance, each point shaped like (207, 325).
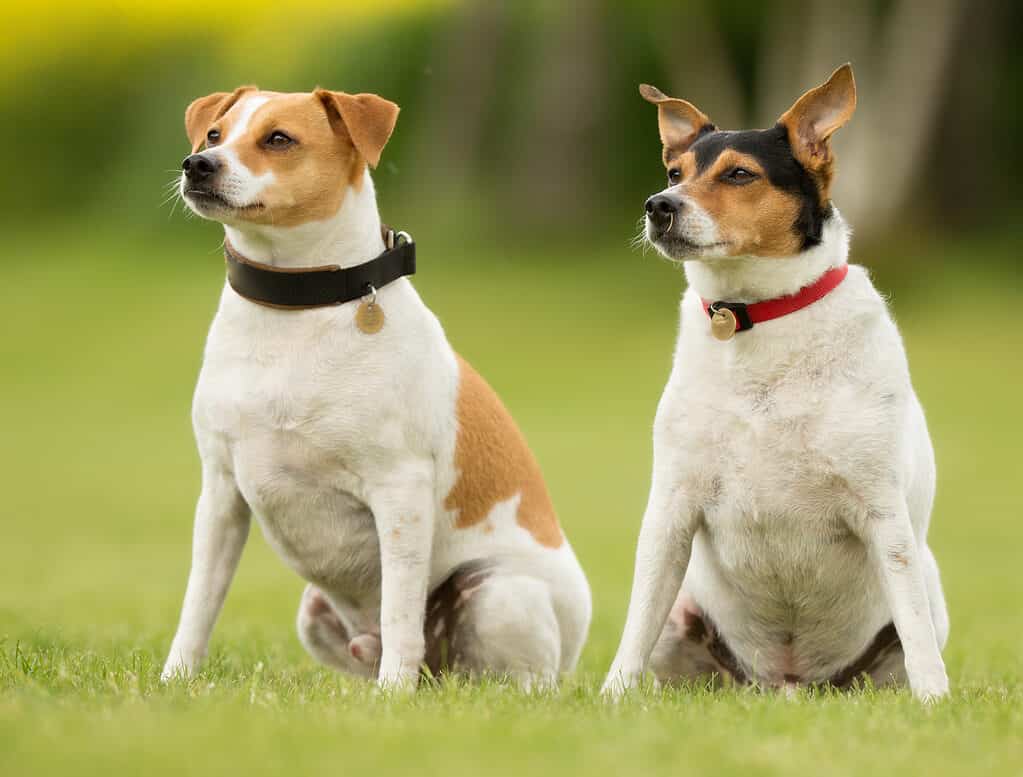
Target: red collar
(727, 318)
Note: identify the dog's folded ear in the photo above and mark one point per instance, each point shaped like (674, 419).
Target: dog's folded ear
(815, 116)
(206, 110)
(367, 119)
(679, 122)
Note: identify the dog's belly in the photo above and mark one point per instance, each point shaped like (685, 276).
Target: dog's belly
(801, 616)
(777, 569)
(302, 501)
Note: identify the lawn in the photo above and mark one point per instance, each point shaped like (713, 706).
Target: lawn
(102, 340)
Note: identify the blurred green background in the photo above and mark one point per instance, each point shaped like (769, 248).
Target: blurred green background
(520, 162)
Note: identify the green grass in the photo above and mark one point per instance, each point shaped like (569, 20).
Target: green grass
(102, 341)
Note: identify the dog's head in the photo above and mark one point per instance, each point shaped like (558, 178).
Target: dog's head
(752, 193)
(280, 159)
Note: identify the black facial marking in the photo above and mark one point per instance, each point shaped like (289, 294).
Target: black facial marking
(772, 150)
(706, 129)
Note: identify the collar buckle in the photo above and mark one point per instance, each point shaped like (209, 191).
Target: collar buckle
(737, 312)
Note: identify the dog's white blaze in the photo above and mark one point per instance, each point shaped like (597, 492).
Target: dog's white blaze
(239, 184)
(246, 107)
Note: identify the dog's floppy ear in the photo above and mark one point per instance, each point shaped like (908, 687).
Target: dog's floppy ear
(679, 122)
(206, 110)
(817, 114)
(368, 119)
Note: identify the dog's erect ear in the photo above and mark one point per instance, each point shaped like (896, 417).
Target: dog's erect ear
(367, 118)
(206, 110)
(817, 114)
(679, 122)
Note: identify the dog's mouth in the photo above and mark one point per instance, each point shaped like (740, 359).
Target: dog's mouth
(207, 200)
(677, 246)
(671, 241)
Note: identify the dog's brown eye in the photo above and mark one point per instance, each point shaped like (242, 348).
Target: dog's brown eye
(674, 176)
(278, 139)
(739, 175)
(212, 137)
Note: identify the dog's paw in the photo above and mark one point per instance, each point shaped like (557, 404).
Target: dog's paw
(618, 683)
(398, 685)
(176, 668)
(930, 687)
(182, 663)
(398, 676)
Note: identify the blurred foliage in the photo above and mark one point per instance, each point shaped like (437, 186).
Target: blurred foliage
(557, 140)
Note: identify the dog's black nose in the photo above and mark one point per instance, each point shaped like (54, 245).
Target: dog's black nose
(662, 208)
(199, 167)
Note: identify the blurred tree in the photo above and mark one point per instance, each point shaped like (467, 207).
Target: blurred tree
(464, 80)
(690, 43)
(900, 55)
(560, 120)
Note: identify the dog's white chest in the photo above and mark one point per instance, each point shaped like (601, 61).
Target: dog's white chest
(773, 432)
(774, 505)
(291, 428)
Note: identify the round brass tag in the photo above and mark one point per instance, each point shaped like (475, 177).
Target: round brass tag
(723, 324)
(369, 317)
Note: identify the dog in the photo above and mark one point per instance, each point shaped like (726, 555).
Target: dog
(784, 540)
(379, 465)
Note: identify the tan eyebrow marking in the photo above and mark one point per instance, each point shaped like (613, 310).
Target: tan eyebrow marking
(730, 158)
(685, 163)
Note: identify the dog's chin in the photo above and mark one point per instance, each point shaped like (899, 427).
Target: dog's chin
(679, 248)
(214, 206)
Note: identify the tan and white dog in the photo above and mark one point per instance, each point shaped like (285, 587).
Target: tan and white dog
(784, 541)
(379, 465)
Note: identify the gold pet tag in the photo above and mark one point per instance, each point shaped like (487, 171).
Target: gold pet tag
(369, 317)
(723, 324)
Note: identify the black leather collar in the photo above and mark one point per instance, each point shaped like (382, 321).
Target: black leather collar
(300, 288)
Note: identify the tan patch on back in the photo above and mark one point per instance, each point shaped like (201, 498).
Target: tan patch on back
(494, 464)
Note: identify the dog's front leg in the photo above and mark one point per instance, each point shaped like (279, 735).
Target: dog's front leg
(893, 548)
(221, 528)
(404, 514)
(662, 555)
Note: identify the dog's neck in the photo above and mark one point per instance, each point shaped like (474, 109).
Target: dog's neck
(350, 237)
(754, 279)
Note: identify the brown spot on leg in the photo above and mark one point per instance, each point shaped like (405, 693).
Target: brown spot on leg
(695, 628)
(691, 649)
(898, 556)
(883, 646)
(445, 609)
(494, 464)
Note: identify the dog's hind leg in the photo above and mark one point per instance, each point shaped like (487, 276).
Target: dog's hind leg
(485, 621)
(322, 631)
(690, 649)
